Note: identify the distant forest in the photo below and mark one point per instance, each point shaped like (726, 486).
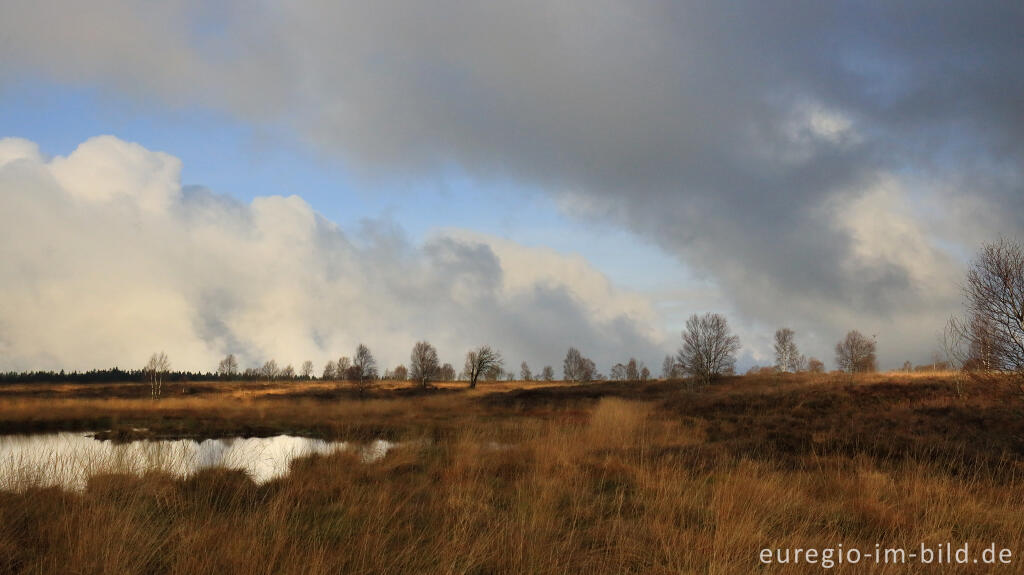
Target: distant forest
(113, 375)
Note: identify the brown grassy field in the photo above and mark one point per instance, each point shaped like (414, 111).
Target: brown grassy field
(529, 478)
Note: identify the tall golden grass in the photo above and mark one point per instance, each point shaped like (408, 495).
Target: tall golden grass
(608, 485)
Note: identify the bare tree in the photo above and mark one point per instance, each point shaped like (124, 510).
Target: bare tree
(709, 348)
(856, 353)
(270, 370)
(956, 346)
(155, 370)
(787, 356)
(571, 364)
(330, 371)
(991, 338)
(548, 373)
(645, 374)
(494, 373)
(815, 365)
(228, 367)
(481, 362)
(633, 369)
(589, 372)
(447, 372)
(307, 369)
(423, 363)
(983, 349)
(524, 372)
(618, 372)
(577, 368)
(288, 372)
(400, 373)
(344, 368)
(364, 367)
(670, 368)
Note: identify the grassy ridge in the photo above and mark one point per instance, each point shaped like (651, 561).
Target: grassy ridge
(610, 478)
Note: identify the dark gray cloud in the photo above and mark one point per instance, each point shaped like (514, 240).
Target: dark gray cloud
(826, 164)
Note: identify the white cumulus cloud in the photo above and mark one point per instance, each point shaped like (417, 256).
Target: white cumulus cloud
(106, 258)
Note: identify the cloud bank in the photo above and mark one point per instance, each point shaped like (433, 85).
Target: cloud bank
(826, 165)
(106, 259)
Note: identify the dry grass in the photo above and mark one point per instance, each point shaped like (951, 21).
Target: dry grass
(605, 479)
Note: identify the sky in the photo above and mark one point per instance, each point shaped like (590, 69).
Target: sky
(288, 179)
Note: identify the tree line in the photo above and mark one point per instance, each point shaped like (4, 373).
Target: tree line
(708, 351)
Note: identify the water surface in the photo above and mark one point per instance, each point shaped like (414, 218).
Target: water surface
(69, 459)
